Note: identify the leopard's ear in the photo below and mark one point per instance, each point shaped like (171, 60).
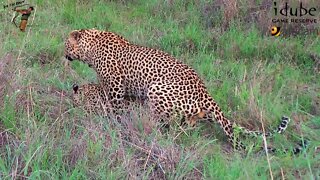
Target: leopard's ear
(75, 88)
(76, 35)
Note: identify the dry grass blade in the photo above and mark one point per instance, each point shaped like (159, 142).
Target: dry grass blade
(143, 149)
(266, 147)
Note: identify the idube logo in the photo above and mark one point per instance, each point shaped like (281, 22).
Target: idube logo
(294, 12)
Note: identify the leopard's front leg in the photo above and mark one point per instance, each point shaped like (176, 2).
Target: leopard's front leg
(112, 79)
(114, 87)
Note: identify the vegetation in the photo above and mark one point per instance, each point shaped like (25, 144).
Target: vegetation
(256, 78)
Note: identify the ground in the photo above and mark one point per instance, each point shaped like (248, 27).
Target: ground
(255, 78)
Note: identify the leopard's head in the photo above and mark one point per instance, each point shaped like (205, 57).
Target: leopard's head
(80, 45)
(91, 98)
(90, 45)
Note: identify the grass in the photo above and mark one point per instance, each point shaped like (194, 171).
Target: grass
(43, 137)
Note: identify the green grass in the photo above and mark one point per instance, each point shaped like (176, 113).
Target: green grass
(247, 73)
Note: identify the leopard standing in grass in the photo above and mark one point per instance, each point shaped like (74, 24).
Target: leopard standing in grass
(169, 85)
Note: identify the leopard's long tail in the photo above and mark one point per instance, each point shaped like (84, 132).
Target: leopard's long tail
(230, 128)
(279, 130)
